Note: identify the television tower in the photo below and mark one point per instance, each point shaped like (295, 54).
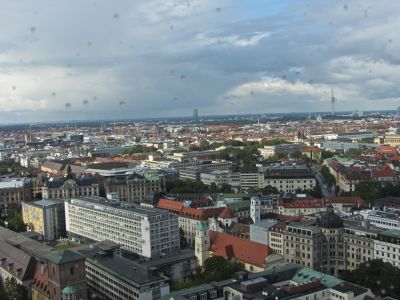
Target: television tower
(333, 103)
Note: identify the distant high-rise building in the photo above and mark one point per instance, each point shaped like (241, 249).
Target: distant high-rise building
(195, 116)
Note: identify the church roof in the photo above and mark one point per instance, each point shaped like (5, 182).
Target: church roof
(231, 247)
(226, 214)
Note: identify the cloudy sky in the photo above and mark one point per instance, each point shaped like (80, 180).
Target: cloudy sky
(84, 59)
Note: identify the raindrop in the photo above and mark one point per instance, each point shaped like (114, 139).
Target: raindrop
(345, 7)
(171, 71)
(14, 87)
(383, 291)
(175, 99)
(78, 54)
(94, 98)
(121, 103)
(32, 29)
(391, 287)
(116, 16)
(53, 94)
(68, 105)
(310, 81)
(218, 9)
(171, 27)
(297, 73)
(390, 41)
(183, 77)
(284, 77)
(85, 102)
(378, 282)
(69, 66)
(89, 44)
(252, 93)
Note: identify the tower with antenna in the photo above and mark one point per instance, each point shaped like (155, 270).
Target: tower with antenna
(333, 103)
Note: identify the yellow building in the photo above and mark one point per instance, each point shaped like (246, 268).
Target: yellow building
(45, 217)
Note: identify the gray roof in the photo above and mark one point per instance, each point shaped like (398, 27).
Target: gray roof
(34, 248)
(142, 210)
(65, 257)
(16, 261)
(46, 203)
(170, 259)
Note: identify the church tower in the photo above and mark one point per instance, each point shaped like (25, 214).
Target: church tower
(202, 243)
(255, 209)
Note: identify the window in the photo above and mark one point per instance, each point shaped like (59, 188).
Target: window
(71, 271)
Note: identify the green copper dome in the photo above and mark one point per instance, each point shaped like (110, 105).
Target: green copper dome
(202, 227)
(69, 290)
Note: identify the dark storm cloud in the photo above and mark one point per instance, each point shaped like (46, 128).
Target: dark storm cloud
(166, 57)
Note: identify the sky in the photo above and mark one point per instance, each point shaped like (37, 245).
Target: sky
(81, 59)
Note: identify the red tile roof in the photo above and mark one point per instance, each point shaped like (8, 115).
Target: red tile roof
(200, 214)
(40, 280)
(171, 205)
(226, 214)
(356, 200)
(246, 251)
(301, 203)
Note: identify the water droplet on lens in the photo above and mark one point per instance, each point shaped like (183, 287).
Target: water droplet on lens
(14, 87)
(68, 105)
(33, 29)
(345, 7)
(85, 102)
(53, 94)
(218, 9)
(121, 103)
(183, 77)
(116, 16)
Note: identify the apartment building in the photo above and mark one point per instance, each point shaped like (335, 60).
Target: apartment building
(14, 191)
(65, 188)
(387, 247)
(135, 187)
(290, 178)
(146, 231)
(283, 149)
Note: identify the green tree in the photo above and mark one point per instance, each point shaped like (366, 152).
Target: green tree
(381, 277)
(268, 190)
(329, 178)
(274, 142)
(326, 154)
(15, 290)
(369, 191)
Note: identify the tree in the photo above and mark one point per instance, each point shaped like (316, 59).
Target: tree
(326, 154)
(369, 191)
(268, 190)
(217, 268)
(381, 277)
(329, 178)
(15, 290)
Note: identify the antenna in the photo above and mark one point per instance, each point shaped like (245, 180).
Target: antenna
(333, 103)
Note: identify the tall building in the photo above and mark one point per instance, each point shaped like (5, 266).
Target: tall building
(195, 116)
(45, 217)
(67, 276)
(146, 231)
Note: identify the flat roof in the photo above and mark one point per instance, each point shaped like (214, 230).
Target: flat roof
(14, 183)
(125, 206)
(45, 203)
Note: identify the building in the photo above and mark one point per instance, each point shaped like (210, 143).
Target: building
(381, 218)
(149, 232)
(14, 191)
(387, 247)
(45, 217)
(193, 172)
(219, 177)
(67, 269)
(195, 116)
(15, 263)
(211, 243)
(283, 149)
(135, 187)
(290, 178)
(65, 188)
(112, 276)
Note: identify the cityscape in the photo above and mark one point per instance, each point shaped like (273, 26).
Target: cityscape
(199, 150)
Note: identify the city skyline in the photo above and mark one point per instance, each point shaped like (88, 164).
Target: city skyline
(71, 60)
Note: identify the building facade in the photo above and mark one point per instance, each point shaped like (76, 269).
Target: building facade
(46, 217)
(145, 231)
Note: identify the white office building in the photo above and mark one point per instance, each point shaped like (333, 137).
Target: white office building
(149, 232)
